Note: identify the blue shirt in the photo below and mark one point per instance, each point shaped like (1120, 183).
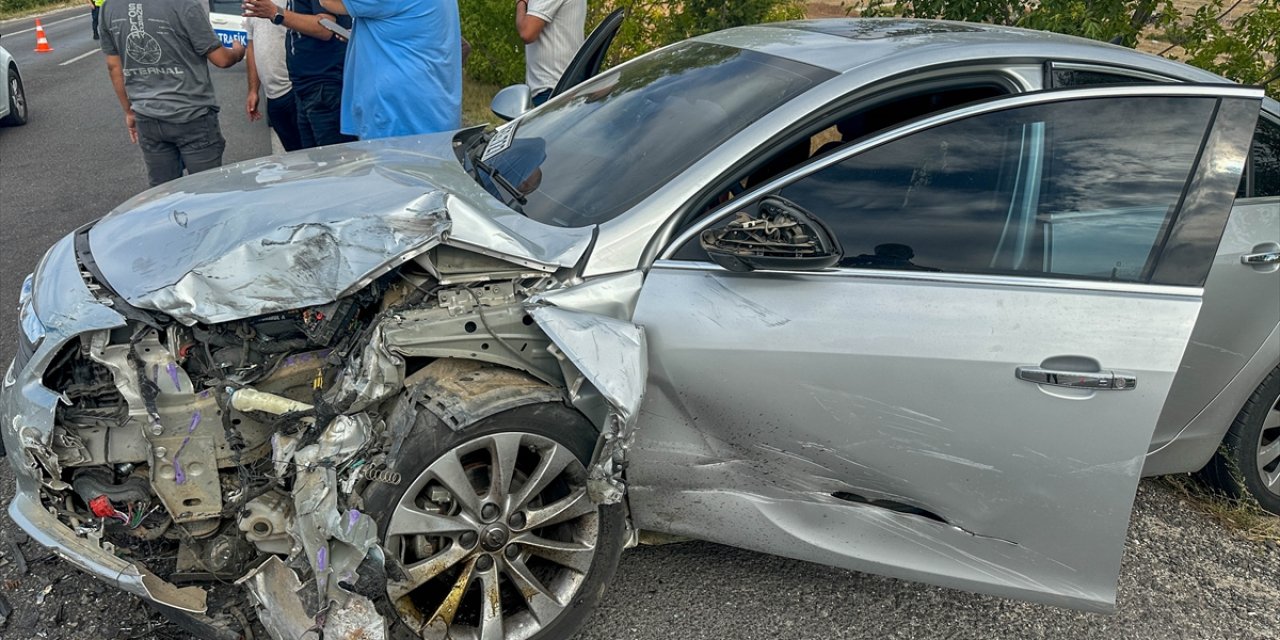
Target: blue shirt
(312, 60)
(404, 68)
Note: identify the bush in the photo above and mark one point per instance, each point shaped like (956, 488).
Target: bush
(13, 7)
(497, 54)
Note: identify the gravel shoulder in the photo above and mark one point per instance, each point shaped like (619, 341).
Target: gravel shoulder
(1184, 576)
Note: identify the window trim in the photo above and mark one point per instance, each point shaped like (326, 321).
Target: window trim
(1137, 74)
(989, 280)
(999, 104)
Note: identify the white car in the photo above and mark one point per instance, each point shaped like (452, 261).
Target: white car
(13, 111)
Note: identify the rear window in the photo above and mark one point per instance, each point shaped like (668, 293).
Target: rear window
(1262, 173)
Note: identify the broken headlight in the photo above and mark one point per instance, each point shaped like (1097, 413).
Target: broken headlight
(32, 333)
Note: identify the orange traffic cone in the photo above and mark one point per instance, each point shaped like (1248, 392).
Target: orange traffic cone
(42, 43)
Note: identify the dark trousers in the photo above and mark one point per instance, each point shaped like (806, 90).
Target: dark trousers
(96, 10)
(168, 147)
(540, 97)
(320, 114)
(282, 115)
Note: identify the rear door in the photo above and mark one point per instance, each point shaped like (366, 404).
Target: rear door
(968, 398)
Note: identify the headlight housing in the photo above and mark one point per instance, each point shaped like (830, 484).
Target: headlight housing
(32, 330)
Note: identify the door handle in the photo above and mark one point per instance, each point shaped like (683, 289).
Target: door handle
(1111, 380)
(1261, 259)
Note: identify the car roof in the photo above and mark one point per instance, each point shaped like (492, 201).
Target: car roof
(878, 47)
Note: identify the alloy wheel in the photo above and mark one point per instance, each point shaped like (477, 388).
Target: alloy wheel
(1269, 448)
(495, 539)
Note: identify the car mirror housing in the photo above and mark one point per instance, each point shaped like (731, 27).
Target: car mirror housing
(780, 236)
(511, 102)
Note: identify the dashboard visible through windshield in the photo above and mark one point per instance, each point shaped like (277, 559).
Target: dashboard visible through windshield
(618, 137)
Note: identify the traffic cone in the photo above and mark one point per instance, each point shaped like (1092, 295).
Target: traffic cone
(42, 43)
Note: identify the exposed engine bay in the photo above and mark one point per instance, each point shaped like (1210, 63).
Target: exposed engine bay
(236, 454)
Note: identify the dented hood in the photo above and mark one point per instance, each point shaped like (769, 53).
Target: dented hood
(306, 228)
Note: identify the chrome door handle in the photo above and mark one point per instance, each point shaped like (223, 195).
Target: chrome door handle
(1256, 259)
(1112, 380)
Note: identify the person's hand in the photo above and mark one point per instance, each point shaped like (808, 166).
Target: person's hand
(251, 107)
(259, 9)
(132, 125)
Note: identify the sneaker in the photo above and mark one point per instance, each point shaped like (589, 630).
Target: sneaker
(95, 36)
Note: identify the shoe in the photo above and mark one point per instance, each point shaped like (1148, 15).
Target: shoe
(95, 36)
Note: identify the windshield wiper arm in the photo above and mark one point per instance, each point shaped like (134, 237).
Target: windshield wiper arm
(500, 181)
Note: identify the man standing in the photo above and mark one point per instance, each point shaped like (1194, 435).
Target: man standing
(264, 59)
(404, 67)
(314, 58)
(94, 7)
(552, 34)
(156, 52)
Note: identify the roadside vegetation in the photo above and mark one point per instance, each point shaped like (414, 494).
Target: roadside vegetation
(1241, 515)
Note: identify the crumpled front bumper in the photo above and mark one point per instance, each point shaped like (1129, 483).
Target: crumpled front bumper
(88, 555)
(66, 309)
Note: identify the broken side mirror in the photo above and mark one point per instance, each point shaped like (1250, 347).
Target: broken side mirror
(780, 236)
(511, 102)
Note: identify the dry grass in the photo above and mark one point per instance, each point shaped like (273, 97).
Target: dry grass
(1244, 516)
(476, 97)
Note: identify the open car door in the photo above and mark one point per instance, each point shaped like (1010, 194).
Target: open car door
(590, 57)
(968, 397)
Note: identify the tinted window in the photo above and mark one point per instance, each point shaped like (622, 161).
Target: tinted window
(619, 136)
(1076, 189)
(1083, 77)
(1262, 175)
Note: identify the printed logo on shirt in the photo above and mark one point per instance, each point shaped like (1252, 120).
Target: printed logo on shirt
(139, 45)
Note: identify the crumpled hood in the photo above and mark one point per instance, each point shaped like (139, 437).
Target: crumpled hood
(291, 231)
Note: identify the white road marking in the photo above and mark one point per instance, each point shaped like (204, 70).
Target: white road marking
(80, 57)
(83, 15)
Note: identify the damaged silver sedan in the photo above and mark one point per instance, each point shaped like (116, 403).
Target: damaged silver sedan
(913, 298)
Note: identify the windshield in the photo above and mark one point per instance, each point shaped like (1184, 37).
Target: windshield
(621, 135)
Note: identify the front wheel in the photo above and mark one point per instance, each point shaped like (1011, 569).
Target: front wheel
(1248, 462)
(493, 536)
(17, 100)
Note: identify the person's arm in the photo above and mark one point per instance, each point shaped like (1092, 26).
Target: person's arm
(335, 7)
(225, 57)
(305, 23)
(251, 99)
(528, 26)
(115, 68)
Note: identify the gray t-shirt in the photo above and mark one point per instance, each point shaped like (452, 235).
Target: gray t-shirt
(268, 54)
(164, 44)
(546, 58)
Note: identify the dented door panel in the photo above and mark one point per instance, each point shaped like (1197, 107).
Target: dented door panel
(874, 421)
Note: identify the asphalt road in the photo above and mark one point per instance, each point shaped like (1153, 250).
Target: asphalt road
(1184, 575)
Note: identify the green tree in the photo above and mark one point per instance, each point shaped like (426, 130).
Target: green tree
(1243, 48)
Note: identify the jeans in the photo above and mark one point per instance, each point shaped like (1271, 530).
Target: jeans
(168, 147)
(320, 114)
(540, 97)
(282, 115)
(96, 11)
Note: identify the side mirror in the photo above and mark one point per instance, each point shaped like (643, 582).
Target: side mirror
(781, 236)
(511, 102)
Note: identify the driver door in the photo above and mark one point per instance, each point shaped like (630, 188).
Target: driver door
(968, 397)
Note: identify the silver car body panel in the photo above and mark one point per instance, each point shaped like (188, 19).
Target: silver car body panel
(1236, 343)
(1033, 485)
(303, 229)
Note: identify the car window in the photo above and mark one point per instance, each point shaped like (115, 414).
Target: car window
(1065, 77)
(1080, 189)
(613, 140)
(1262, 174)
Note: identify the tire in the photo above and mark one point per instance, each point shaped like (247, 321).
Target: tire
(17, 100)
(484, 544)
(1248, 462)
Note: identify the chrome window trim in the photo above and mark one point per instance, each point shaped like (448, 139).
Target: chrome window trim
(1033, 282)
(1001, 104)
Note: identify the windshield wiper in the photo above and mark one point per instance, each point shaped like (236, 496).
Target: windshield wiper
(500, 181)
